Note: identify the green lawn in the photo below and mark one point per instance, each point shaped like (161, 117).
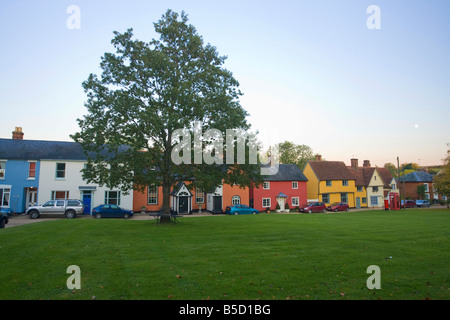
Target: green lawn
(266, 256)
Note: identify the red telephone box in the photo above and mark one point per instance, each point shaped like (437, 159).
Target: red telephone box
(394, 201)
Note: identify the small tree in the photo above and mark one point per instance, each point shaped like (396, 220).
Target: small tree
(441, 181)
(421, 191)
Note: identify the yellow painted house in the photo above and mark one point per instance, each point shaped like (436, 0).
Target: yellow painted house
(331, 181)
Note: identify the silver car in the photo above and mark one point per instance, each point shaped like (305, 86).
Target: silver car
(70, 208)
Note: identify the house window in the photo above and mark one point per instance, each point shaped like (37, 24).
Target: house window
(199, 195)
(326, 197)
(374, 201)
(235, 200)
(345, 183)
(393, 187)
(295, 201)
(359, 188)
(2, 169)
(60, 195)
(426, 187)
(60, 170)
(266, 202)
(328, 183)
(344, 197)
(294, 185)
(4, 197)
(112, 197)
(375, 189)
(364, 200)
(31, 170)
(266, 185)
(152, 195)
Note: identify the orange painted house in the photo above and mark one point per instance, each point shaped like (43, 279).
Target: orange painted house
(185, 201)
(226, 196)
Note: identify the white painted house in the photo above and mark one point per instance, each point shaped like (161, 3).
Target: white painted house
(62, 179)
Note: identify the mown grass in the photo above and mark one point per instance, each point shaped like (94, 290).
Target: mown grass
(267, 256)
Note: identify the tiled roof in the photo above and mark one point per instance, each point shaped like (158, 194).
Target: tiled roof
(15, 149)
(331, 170)
(364, 174)
(11, 149)
(417, 176)
(385, 175)
(287, 172)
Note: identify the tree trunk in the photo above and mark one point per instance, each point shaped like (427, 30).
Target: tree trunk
(165, 214)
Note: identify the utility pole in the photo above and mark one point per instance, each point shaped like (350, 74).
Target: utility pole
(398, 183)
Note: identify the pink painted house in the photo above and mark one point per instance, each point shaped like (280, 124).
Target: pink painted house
(288, 186)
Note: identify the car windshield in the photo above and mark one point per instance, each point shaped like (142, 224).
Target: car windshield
(335, 203)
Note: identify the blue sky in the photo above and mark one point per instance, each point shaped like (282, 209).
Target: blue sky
(311, 71)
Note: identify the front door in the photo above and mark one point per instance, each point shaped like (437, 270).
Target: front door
(358, 202)
(87, 196)
(183, 204)
(217, 204)
(32, 197)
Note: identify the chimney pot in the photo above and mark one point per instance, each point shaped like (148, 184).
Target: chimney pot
(318, 157)
(366, 163)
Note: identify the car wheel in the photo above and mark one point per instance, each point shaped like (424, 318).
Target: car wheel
(70, 214)
(126, 215)
(347, 209)
(98, 215)
(324, 210)
(309, 211)
(236, 213)
(2, 223)
(34, 214)
(335, 210)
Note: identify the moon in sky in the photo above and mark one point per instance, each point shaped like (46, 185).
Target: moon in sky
(416, 126)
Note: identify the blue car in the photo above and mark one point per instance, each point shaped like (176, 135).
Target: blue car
(111, 211)
(240, 209)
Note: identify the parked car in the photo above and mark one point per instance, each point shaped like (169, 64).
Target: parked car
(111, 211)
(3, 219)
(240, 209)
(422, 203)
(338, 206)
(408, 204)
(313, 207)
(69, 208)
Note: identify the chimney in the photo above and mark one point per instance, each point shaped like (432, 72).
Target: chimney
(17, 134)
(354, 163)
(366, 164)
(318, 157)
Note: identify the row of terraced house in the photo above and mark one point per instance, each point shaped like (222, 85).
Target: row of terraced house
(33, 172)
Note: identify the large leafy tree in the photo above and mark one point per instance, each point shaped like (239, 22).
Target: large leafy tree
(298, 154)
(146, 93)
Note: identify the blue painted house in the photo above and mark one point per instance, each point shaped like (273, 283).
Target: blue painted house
(19, 175)
(36, 170)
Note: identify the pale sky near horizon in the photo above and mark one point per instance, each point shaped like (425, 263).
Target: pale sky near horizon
(311, 71)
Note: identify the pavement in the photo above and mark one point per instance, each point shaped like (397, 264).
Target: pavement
(22, 219)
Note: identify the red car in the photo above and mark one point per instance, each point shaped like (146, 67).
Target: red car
(338, 206)
(408, 204)
(313, 207)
